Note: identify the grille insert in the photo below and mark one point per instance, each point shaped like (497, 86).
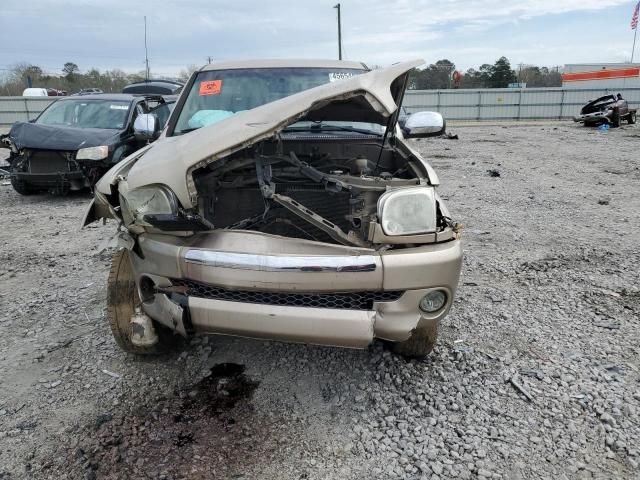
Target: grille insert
(342, 301)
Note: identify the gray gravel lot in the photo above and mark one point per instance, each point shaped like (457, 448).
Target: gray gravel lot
(536, 374)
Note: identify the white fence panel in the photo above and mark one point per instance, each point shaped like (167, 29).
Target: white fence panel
(464, 104)
(510, 104)
(22, 109)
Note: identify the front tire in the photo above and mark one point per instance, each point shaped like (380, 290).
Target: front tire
(122, 301)
(615, 118)
(421, 342)
(21, 187)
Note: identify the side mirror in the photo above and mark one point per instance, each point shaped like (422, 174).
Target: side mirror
(146, 127)
(424, 124)
(403, 117)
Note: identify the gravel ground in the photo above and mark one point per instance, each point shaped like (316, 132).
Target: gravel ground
(536, 374)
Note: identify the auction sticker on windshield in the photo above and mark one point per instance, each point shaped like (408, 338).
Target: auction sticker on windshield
(210, 87)
(119, 107)
(334, 76)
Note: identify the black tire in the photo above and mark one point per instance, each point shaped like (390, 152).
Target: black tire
(21, 187)
(615, 118)
(122, 300)
(420, 344)
(631, 118)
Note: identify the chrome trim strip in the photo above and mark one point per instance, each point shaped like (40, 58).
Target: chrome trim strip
(273, 263)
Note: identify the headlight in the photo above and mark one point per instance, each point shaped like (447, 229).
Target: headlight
(408, 211)
(151, 200)
(93, 153)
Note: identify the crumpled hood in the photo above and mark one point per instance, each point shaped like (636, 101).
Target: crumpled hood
(49, 137)
(171, 160)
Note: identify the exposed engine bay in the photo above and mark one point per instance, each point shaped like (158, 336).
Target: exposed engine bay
(324, 191)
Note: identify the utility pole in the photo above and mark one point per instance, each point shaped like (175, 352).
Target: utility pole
(520, 72)
(339, 33)
(146, 54)
(209, 60)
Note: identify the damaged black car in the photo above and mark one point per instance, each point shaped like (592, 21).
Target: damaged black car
(75, 140)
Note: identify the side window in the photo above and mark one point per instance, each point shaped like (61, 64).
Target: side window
(137, 111)
(162, 112)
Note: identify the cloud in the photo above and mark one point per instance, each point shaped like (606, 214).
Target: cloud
(470, 32)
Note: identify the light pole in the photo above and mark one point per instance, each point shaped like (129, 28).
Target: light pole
(146, 55)
(339, 33)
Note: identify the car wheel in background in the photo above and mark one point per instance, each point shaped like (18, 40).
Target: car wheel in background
(123, 301)
(121, 153)
(615, 118)
(631, 118)
(21, 187)
(420, 343)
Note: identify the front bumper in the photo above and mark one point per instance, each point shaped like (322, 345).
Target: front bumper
(262, 284)
(597, 117)
(48, 180)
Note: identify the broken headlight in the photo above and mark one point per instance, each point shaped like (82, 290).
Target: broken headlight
(408, 211)
(93, 153)
(150, 200)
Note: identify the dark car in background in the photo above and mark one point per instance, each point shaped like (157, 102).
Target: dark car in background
(156, 87)
(54, 92)
(76, 139)
(88, 91)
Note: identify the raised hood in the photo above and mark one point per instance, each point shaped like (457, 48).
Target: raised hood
(172, 160)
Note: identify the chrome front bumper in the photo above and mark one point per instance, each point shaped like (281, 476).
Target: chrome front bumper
(251, 261)
(280, 264)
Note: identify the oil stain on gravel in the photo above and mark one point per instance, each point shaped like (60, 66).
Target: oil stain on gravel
(222, 389)
(205, 431)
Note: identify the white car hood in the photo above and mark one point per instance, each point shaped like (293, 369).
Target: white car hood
(171, 160)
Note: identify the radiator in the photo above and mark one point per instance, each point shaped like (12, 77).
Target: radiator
(234, 205)
(49, 161)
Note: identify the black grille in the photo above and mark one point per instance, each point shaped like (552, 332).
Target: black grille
(343, 301)
(49, 161)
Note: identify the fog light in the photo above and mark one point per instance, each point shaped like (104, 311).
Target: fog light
(433, 301)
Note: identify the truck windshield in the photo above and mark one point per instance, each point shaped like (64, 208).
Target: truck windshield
(109, 114)
(219, 94)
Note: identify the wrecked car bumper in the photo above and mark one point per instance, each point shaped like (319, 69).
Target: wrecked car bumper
(290, 289)
(599, 117)
(73, 180)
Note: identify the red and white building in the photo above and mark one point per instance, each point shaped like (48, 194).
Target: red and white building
(601, 75)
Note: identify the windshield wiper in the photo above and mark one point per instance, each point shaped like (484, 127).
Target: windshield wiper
(320, 127)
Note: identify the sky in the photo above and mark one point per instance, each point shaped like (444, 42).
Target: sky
(110, 34)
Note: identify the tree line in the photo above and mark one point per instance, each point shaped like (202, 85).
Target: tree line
(439, 75)
(442, 75)
(70, 79)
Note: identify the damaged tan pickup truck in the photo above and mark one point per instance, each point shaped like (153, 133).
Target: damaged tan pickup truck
(281, 201)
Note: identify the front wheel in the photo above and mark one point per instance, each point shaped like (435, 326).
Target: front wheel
(21, 187)
(123, 302)
(615, 118)
(420, 343)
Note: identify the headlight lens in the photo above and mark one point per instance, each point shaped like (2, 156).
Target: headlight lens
(408, 211)
(151, 200)
(93, 153)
